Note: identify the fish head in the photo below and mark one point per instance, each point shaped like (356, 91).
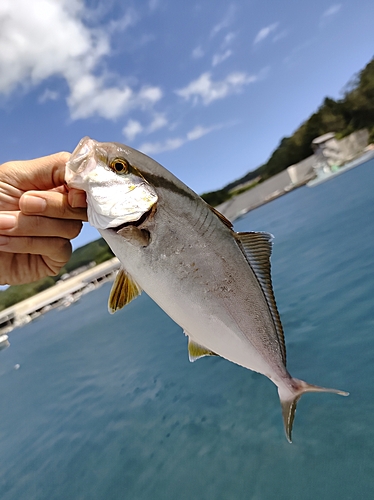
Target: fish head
(116, 191)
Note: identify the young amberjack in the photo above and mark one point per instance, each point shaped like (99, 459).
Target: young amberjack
(215, 283)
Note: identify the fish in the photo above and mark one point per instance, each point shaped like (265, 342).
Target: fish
(215, 283)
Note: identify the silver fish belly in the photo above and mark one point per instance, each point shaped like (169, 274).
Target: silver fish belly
(213, 282)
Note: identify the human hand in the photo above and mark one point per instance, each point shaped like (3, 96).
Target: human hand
(38, 217)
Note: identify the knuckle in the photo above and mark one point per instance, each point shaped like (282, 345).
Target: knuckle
(62, 210)
(74, 229)
(62, 244)
(62, 157)
(65, 249)
(29, 243)
(59, 250)
(53, 269)
(37, 223)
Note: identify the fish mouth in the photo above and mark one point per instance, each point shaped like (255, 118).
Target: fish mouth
(80, 153)
(84, 158)
(76, 166)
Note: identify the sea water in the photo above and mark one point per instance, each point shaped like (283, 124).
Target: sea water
(94, 406)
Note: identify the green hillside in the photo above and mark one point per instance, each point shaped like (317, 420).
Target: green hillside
(354, 111)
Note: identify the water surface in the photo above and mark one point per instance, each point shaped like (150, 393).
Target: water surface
(109, 407)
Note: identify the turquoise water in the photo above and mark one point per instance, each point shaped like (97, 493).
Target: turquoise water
(108, 407)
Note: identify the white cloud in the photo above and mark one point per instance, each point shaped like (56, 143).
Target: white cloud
(220, 57)
(298, 50)
(159, 121)
(152, 148)
(49, 95)
(132, 129)
(224, 51)
(34, 47)
(331, 11)
(228, 39)
(197, 52)
(206, 90)
(89, 97)
(264, 33)
(226, 21)
(150, 94)
(199, 131)
(128, 19)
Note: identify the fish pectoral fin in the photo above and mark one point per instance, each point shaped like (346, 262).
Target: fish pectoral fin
(257, 247)
(135, 235)
(123, 291)
(196, 351)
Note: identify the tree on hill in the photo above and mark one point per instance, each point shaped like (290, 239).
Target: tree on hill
(353, 112)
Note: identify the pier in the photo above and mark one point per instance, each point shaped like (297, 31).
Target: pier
(62, 294)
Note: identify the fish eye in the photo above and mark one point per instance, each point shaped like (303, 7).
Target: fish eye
(119, 166)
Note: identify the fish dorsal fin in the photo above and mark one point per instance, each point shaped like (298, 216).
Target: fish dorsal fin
(257, 250)
(123, 291)
(196, 351)
(221, 217)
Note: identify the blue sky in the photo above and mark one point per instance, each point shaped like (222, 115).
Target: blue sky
(207, 88)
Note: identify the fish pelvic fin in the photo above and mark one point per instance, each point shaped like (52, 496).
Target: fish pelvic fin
(197, 351)
(290, 396)
(123, 291)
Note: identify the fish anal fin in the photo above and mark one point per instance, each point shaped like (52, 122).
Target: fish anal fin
(257, 247)
(197, 351)
(289, 398)
(221, 217)
(123, 291)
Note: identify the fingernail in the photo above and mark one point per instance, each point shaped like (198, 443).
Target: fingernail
(4, 240)
(7, 221)
(33, 204)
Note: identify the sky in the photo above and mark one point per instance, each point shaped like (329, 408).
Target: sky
(206, 88)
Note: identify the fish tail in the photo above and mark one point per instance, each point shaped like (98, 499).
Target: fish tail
(290, 395)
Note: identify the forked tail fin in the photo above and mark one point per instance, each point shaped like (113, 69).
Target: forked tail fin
(290, 397)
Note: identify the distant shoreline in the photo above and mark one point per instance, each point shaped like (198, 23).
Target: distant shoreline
(62, 294)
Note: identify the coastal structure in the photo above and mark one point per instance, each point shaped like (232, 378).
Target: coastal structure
(331, 153)
(327, 152)
(278, 185)
(62, 294)
(337, 152)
